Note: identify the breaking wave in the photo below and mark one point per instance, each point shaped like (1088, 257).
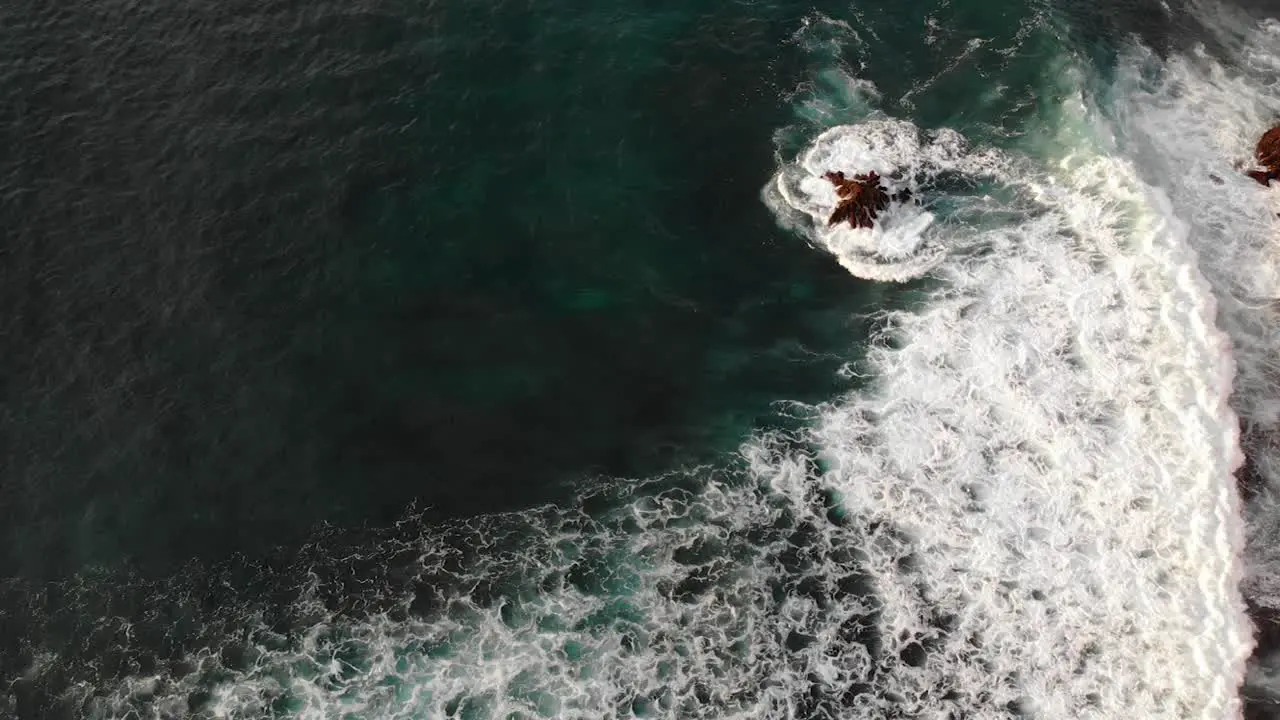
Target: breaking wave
(1051, 434)
(1191, 121)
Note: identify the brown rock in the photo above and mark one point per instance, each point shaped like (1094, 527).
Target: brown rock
(861, 198)
(1267, 154)
(1264, 177)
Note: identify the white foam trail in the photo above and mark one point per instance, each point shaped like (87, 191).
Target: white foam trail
(903, 245)
(1196, 120)
(1053, 436)
(1187, 120)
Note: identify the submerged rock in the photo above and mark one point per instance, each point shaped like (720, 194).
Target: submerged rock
(861, 198)
(1267, 154)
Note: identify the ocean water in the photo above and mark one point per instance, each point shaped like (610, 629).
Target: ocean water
(485, 360)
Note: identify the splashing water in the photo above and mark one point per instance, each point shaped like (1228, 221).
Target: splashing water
(1192, 122)
(903, 245)
(1052, 437)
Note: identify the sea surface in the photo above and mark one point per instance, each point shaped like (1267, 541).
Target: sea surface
(490, 359)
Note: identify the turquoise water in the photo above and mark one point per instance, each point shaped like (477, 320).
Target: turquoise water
(419, 360)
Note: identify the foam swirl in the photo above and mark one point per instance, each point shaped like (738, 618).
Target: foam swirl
(904, 244)
(1052, 437)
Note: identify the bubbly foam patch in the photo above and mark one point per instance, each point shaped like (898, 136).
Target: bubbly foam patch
(1052, 438)
(722, 595)
(1190, 123)
(904, 244)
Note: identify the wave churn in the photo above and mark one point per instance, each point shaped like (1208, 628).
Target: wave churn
(1051, 434)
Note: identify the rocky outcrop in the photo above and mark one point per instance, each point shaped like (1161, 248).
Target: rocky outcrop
(862, 197)
(1267, 154)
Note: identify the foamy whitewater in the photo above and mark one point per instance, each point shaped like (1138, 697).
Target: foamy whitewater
(1028, 509)
(1201, 118)
(1051, 436)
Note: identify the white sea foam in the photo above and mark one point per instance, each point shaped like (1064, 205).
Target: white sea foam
(904, 243)
(1188, 120)
(1052, 434)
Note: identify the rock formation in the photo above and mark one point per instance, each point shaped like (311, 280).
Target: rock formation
(861, 198)
(1268, 156)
